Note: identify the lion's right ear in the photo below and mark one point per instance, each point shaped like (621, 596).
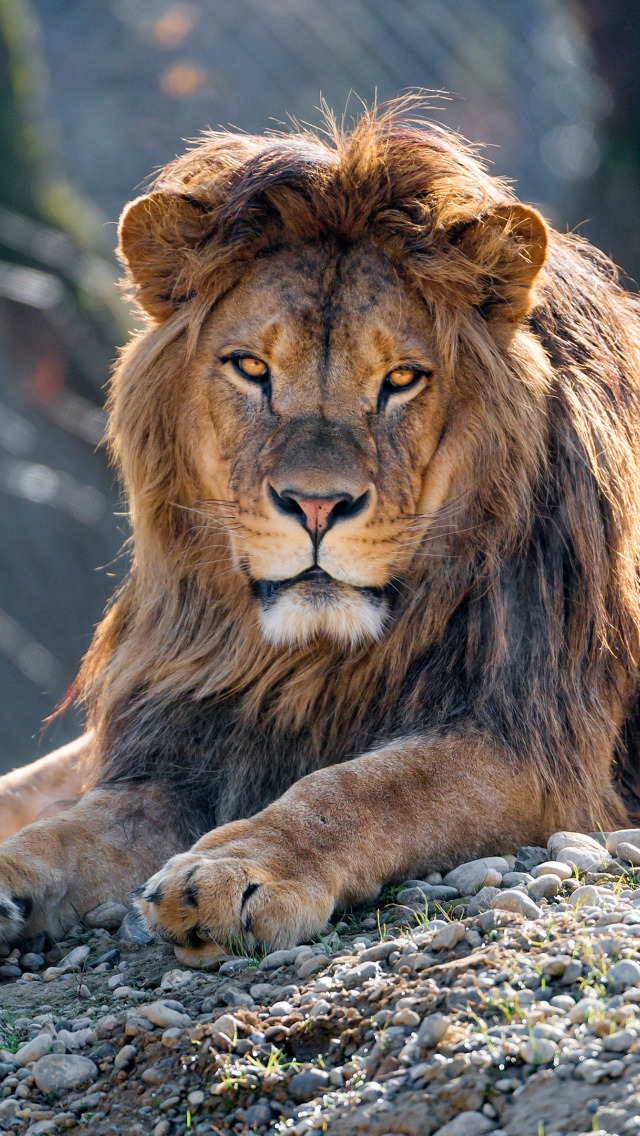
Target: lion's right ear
(156, 235)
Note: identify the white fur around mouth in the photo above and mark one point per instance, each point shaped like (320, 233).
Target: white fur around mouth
(346, 615)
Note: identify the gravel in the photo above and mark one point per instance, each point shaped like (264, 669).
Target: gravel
(514, 1010)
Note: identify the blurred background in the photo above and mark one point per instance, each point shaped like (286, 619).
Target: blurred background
(97, 94)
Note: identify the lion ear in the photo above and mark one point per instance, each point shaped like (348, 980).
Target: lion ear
(509, 246)
(156, 234)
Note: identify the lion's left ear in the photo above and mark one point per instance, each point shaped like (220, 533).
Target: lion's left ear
(509, 246)
(157, 235)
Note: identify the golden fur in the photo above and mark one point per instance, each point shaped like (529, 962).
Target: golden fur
(470, 630)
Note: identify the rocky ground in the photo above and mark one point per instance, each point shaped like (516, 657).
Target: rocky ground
(503, 999)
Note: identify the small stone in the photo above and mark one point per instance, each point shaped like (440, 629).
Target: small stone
(232, 966)
(50, 973)
(308, 1084)
(528, 856)
(311, 965)
(622, 836)
(630, 853)
(197, 1097)
(109, 916)
(483, 899)
(623, 974)
(513, 879)
(226, 1025)
(133, 929)
(426, 893)
(467, 1124)
(237, 998)
(563, 839)
(31, 962)
(34, 1049)
(280, 1009)
(562, 871)
(163, 1015)
(432, 1030)
(74, 960)
(125, 1057)
(258, 1114)
(162, 1128)
(539, 1050)
(586, 1009)
(380, 951)
(260, 992)
(58, 1072)
(581, 858)
(359, 974)
(544, 886)
(584, 896)
(516, 901)
(621, 1041)
(8, 970)
(406, 1018)
(109, 959)
(470, 877)
(276, 959)
(448, 937)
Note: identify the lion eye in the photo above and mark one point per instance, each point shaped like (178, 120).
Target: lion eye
(402, 377)
(250, 367)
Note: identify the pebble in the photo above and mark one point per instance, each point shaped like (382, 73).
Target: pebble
(432, 1030)
(467, 1124)
(516, 901)
(553, 867)
(622, 836)
(311, 965)
(447, 937)
(32, 1050)
(74, 960)
(163, 1015)
(237, 998)
(31, 961)
(577, 849)
(544, 886)
(528, 856)
(621, 1041)
(585, 895)
(512, 879)
(308, 1084)
(107, 916)
(539, 1050)
(470, 877)
(125, 1057)
(258, 1114)
(483, 899)
(57, 1072)
(630, 853)
(623, 974)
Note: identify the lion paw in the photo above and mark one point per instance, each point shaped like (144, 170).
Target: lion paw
(209, 904)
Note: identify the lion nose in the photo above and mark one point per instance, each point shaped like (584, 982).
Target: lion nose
(317, 514)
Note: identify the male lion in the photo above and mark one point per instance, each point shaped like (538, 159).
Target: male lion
(380, 440)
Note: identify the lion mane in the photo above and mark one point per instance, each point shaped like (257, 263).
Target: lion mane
(519, 613)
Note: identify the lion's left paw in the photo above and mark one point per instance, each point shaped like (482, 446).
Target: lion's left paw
(209, 904)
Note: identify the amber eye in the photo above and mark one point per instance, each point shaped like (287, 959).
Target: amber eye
(250, 367)
(402, 377)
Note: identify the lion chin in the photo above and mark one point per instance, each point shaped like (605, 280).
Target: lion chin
(314, 606)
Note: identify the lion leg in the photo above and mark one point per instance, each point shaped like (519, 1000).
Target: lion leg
(44, 787)
(99, 849)
(338, 835)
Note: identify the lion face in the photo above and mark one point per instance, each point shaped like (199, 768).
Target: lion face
(328, 326)
(325, 402)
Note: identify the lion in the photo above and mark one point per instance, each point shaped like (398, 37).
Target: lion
(380, 441)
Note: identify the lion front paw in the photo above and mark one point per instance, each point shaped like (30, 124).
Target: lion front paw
(208, 904)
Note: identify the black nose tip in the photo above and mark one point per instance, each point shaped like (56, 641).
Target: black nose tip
(318, 514)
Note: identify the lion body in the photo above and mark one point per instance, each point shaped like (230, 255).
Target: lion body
(381, 445)
(518, 610)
